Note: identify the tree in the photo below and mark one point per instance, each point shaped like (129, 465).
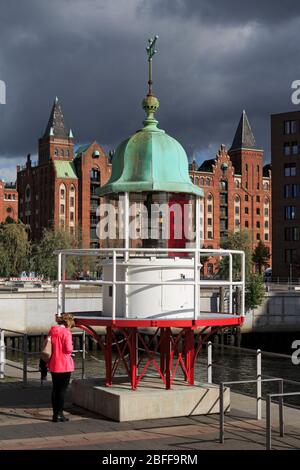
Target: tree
(44, 259)
(255, 291)
(261, 256)
(236, 241)
(15, 249)
(254, 285)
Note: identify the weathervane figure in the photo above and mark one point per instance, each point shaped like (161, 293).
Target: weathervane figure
(150, 52)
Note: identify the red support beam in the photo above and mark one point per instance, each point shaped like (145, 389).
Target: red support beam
(108, 357)
(189, 355)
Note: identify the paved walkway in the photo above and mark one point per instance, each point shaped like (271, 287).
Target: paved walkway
(25, 423)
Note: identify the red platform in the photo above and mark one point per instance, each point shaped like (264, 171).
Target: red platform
(166, 351)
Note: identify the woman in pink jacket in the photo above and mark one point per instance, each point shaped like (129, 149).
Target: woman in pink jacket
(61, 363)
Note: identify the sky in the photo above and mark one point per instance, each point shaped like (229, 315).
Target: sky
(214, 59)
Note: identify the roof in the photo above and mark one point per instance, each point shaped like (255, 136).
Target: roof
(82, 149)
(244, 137)
(56, 124)
(65, 169)
(207, 165)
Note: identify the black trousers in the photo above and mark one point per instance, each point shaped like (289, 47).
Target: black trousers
(60, 381)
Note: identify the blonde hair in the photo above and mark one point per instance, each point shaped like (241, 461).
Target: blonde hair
(66, 319)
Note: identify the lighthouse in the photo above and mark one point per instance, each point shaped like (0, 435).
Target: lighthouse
(150, 229)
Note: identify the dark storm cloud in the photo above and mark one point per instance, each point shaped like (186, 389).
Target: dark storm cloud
(215, 58)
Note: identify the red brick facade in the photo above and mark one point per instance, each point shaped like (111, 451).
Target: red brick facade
(57, 191)
(8, 201)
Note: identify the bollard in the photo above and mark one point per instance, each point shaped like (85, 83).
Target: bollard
(209, 362)
(258, 385)
(221, 399)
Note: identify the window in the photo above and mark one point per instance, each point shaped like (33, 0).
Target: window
(257, 236)
(294, 148)
(62, 153)
(208, 181)
(95, 175)
(257, 211)
(210, 268)
(56, 152)
(246, 197)
(290, 169)
(72, 216)
(202, 181)
(237, 210)
(266, 224)
(257, 199)
(209, 221)
(246, 167)
(257, 224)
(266, 212)
(223, 185)
(246, 210)
(257, 186)
(68, 153)
(295, 190)
(62, 194)
(286, 191)
(266, 186)
(246, 223)
(289, 212)
(289, 255)
(223, 198)
(236, 222)
(266, 237)
(209, 208)
(295, 234)
(62, 209)
(209, 234)
(290, 127)
(257, 168)
(71, 201)
(246, 185)
(286, 149)
(223, 225)
(237, 184)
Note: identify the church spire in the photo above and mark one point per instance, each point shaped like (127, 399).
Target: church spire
(244, 137)
(56, 124)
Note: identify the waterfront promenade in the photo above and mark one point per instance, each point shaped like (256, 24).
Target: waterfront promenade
(25, 423)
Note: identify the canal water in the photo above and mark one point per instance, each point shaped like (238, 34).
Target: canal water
(229, 364)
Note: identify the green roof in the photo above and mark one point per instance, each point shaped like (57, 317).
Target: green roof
(82, 149)
(150, 160)
(65, 169)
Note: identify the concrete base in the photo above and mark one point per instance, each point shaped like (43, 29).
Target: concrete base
(149, 401)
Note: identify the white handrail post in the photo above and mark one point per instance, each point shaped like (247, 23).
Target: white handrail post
(230, 285)
(114, 285)
(258, 385)
(59, 287)
(126, 246)
(243, 285)
(2, 354)
(268, 424)
(196, 285)
(209, 362)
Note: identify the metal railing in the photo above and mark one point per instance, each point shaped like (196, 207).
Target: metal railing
(281, 416)
(259, 397)
(124, 254)
(24, 366)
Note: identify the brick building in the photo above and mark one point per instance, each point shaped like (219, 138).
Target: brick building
(237, 189)
(58, 191)
(285, 150)
(8, 201)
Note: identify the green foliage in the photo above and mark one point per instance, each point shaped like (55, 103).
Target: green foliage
(44, 259)
(255, 291)
(236, 241)
(261, 256)
(14, 249)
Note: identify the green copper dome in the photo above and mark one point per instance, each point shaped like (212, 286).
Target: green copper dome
(150, 160)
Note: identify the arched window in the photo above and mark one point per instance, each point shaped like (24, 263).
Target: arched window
(237, 212)
(237, 184)
(56, 152)
(62, 153)
(208, 181)
(266, 186)
(223, 185)
(201, 181)
(95, 175)
(72, 208)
